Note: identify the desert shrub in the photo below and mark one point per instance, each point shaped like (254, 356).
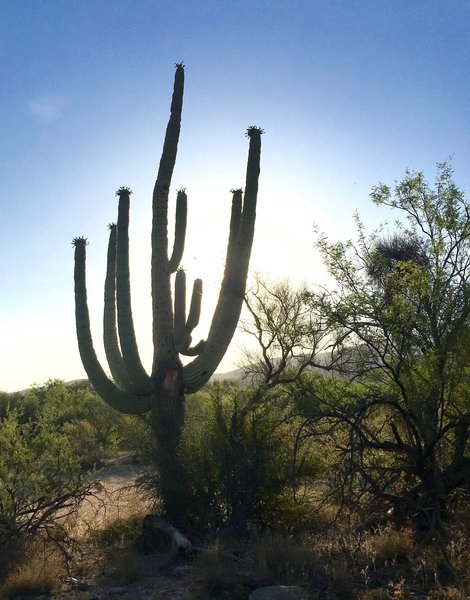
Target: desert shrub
(135, 433)
(398, 321)
(82, 438)
(93, 428)
(40, 479)
(77, 403)
(238, 454)
(25, 403)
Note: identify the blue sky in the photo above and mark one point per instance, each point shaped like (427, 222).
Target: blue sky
(350, 93)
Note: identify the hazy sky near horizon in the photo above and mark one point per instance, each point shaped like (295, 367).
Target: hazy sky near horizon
(349, 93)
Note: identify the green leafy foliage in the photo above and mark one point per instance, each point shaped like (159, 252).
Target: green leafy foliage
(90, 425)
(40, 479)
(399, 320)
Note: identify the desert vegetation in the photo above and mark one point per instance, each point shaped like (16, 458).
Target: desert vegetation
(338, 467)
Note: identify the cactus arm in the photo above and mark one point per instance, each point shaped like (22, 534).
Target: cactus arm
(183, 328)
(127, 403)
(229, 305)
(110, 335)
(195, 306)
(232, 246)
(165, 355)
(180, 231)
(127, 337)
(170, 145)
(180, 307)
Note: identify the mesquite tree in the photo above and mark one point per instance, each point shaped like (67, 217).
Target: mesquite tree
(400, 323)
(131, 389)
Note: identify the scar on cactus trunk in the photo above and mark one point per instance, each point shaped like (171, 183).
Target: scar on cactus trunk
(132, 390)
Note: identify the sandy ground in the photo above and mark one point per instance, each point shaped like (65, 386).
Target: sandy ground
(115, 494)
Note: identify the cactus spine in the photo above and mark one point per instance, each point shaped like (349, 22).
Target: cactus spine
(132, 389)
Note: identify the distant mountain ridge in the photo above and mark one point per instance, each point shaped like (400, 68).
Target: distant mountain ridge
(241, 374)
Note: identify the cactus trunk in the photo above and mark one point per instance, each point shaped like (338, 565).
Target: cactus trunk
(163, 390)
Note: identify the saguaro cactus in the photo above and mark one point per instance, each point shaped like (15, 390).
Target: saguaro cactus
(131, 389)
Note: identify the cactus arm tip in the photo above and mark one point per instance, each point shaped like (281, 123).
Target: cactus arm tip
(79, 240)
(123, 191)
(253, 131)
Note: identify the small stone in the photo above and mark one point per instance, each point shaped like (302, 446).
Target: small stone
(278, 592)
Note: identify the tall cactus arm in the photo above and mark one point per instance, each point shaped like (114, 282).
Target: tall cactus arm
(180, 231)
(170, 145)
(232, 246)
(180, 307)
(162, 310)
(110, 336)
(127, 403)
(127, 337)
(229, 305)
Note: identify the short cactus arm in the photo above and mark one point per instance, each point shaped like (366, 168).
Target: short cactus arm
(184, 327)
(162, 309)
(122, 401)
(195, 307)
(127, 336)
(110, 335)
(180, 231)
(229, 305)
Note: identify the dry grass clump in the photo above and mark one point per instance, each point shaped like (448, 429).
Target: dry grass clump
(40, 572)
(377, 594)
(115, 543)
(275, 559)
(458, 555)
(220, 573)
(283, 559)
(389, 543)
(119, 530)
(447, 593)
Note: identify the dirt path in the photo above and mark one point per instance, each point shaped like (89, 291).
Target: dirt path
(98, 578)
(116, 494)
